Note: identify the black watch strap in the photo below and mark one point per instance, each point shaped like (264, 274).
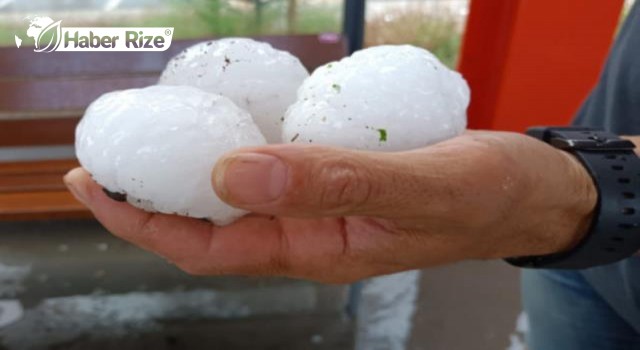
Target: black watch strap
(614, 233)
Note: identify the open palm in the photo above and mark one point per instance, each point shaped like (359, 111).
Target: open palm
(344, 215)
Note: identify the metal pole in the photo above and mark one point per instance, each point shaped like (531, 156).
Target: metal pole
(353, 26)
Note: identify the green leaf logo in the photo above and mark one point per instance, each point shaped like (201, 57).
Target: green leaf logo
(49, 38)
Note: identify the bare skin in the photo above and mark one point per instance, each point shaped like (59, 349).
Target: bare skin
(336, 215)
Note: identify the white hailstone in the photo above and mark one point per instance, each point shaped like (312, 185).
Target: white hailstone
(386, 98)
(158, 145)
(254, 75)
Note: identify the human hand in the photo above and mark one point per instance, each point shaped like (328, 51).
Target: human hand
(338, 215)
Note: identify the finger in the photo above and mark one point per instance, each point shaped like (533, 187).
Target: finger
(173, 237)
(251, 246)
(313, 181)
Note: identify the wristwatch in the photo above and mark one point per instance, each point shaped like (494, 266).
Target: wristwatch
(614, 233)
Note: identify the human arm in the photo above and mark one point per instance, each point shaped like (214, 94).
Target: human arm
(338, 215)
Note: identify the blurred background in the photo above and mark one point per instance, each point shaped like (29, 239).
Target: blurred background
(67, 284)
(433, 24)
(436, 25)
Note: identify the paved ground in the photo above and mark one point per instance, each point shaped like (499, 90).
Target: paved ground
(472, 305)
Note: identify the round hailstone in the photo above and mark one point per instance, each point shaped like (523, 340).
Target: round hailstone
(254, 75)
(386, 98)
(158, 145)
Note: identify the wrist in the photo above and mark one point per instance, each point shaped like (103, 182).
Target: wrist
(611, 228)
(582, 198)
(585, 199)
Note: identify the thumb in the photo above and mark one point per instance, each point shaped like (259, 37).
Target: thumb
(314, 181)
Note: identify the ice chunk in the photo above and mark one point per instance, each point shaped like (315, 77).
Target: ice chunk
(385, 98)
(158, 145)
(254, 75)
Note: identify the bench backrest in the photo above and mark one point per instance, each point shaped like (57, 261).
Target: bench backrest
(42, 96)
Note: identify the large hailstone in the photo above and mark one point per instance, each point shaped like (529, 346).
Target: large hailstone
(158, 145)
(254, 75)
(386, 98)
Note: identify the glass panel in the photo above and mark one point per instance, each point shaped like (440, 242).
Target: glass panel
(627, 7)
(191, 18)
(436, 25)
(628, 4)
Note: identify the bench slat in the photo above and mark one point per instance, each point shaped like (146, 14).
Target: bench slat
(35, 176)
(65, 94)
(32, 183)
(31, 132)
(41, 205)
(58, 166)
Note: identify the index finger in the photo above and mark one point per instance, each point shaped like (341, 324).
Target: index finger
(185, 241)
(253, 245)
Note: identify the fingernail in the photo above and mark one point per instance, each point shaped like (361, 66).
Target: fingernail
(73, 187)
(252, 178)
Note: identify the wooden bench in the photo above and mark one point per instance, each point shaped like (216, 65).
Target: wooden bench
(43, 95)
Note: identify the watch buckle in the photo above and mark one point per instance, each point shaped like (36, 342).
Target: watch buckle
(593, 144)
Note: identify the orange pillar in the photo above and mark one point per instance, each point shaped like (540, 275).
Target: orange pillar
(532, 62)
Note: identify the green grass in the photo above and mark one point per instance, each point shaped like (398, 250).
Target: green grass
(7, 35)
(202, 18)
(435, 29)
(215, 18)
(318, 19)
(438, 32)
(186, 26)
